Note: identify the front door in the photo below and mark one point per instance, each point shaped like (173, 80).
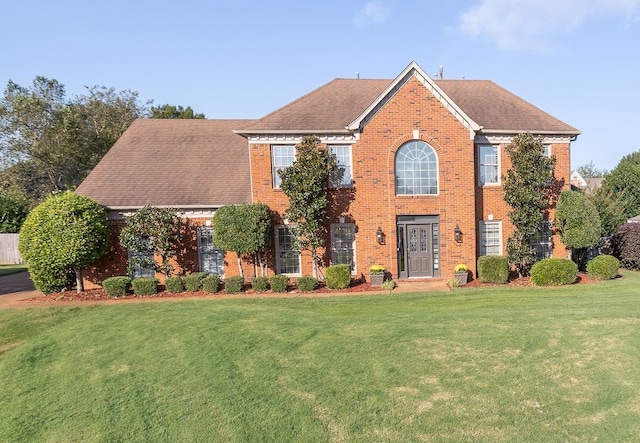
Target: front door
(418, 246)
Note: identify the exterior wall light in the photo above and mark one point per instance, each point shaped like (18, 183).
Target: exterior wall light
(457, 234)
(380, 236)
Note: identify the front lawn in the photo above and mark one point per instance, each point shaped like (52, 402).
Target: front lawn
(11, 269)
(479, 364)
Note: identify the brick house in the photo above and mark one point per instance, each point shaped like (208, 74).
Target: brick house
(421, 191)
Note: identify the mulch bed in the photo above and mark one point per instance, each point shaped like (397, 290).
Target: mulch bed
(583, 278)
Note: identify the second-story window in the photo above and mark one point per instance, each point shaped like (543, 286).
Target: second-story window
(282, 156)
(489, 164)
(343, 159)
(416, 169)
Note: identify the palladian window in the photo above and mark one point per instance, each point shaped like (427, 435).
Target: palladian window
(416, 169)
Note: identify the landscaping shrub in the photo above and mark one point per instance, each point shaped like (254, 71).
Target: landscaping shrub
(116, 286)
(338, 276)
(211, 284)
(260, 284)
(174, 285)
(493, 269)
(603, 267)
(307, 284)
(279, 283)
(626, 244)
(388, 285)
(193, 282)
(554, 271)
(145, 285)
(233, 285)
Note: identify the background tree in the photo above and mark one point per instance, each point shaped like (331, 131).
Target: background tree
(591, 171)
(618, 199)
(243, 229)
(528, 187)
(578, 224)
(171, 111)
(13, 211)
(48, 143)
(306, 183)
(66, 231)
(152, 231)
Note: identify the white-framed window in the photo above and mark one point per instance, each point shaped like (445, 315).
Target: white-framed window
(210, 258)
(282, 156)
(489, 165)
(546, 150)
(343, 159)
(542, 241)
(416, 168)
(287, 259)
(491, 237)
(343, 239)
(142, 263)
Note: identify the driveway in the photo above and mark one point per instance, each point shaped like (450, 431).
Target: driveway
(16, 287)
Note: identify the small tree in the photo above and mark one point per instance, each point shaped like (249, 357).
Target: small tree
(578, 223)
(152, 231)
(306, 183)
(528, 186)
(244, 229)
(66, 231)
(13, 211)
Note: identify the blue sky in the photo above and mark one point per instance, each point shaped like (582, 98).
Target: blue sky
(576, 59)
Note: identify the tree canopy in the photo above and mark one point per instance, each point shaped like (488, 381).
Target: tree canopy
(13, 211)
(172, 111)
(578, 224)
(66, 231)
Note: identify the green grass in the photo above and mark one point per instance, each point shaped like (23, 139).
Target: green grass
(11, 269)
(475, 364)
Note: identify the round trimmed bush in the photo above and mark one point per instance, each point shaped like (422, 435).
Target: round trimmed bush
(307, 284)
(116, 286)
(193, 282)
(554, 271)
(233, 285)
(279, 283)
(174, 285)
(338, 276)
(603, 267)
(260, 284)
(211, 284)
(145, 285)
(493, 269)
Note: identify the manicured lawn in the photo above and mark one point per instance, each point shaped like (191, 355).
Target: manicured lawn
(476, 364)
(11, 269)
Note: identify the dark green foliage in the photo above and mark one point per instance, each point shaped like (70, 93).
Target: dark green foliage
(307, 284)
(554, 271)
(338, 276)
(626, 245)
(193, 282)
(306, 185)
(603, 267)
(211, 284)
(149, 231)
(116, 286)
(145, 285)
(244, 229)
(260, 284)
(233, 285)
(13, 211)
(65, 232)
(174, 285)
(279, 283)
(171, 111)
(528, 186)
(493, 269)
(578, 222)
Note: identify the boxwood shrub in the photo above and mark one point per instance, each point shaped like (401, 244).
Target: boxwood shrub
(233, 285)
(193, 282)
(338, 276)
(603, 267)
(116, 286)
(554, 271)
(279, 283)
(307, 283)
(211, 284)
(145, 285)
(493, 269)
(260, 284)
(174, 285)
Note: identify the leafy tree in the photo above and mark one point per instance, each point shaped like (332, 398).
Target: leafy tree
(13, 211)
(48, 143)
(618, 199)
(152, 231)
(171, 111)
(578, 222)
(528, 186)
(306, 183)
(66, 231)
(244, 229)
(591, 171)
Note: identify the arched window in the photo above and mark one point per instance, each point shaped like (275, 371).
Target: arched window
(416, 169)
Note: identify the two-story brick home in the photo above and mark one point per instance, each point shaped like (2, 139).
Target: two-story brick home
(421, 189)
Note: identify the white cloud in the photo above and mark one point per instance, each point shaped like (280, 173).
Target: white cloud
(373, 12)
(531, 24)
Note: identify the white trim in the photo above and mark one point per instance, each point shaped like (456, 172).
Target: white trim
(499, 165)
(122, 214)
(283, 138)
(496, 139)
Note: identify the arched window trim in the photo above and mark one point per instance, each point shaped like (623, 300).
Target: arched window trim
(437, 168)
